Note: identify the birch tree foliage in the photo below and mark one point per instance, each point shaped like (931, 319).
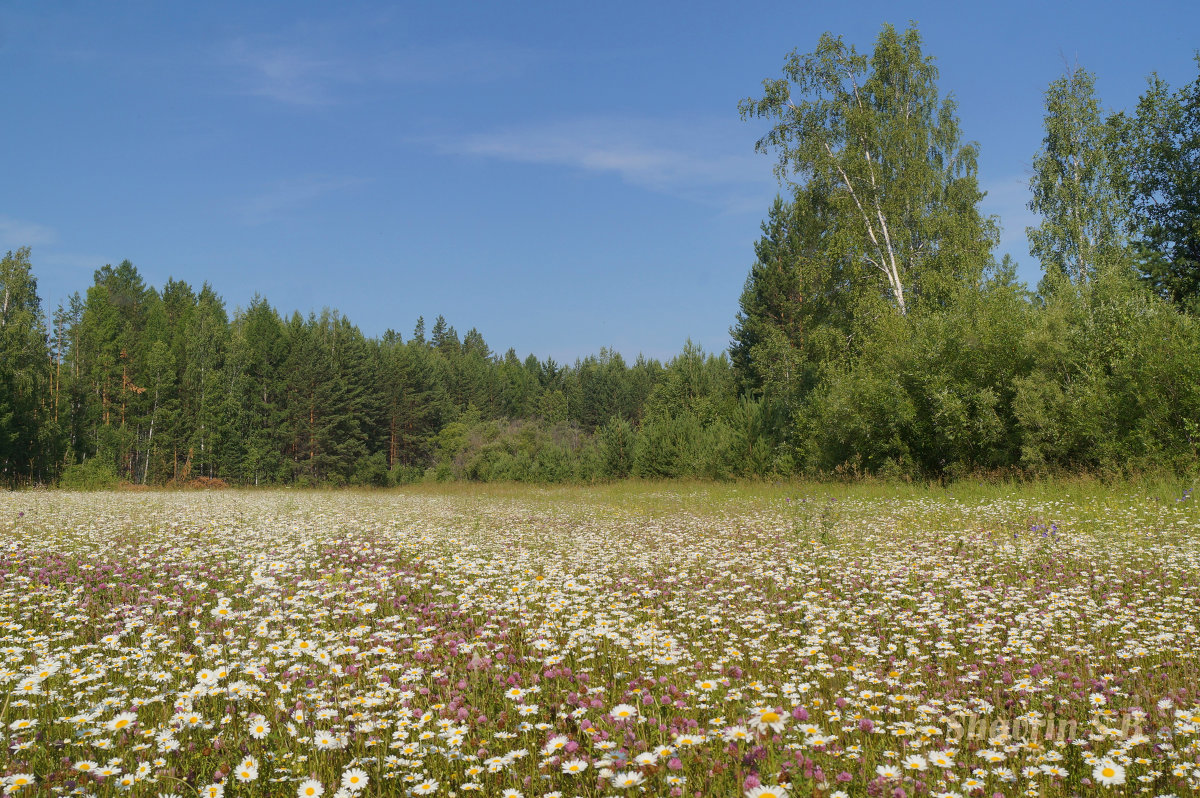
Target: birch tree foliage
(873, 135)
(24, 361)
(22, 337)
(1075, 186)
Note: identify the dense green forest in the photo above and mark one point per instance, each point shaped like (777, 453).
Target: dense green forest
(878, 332)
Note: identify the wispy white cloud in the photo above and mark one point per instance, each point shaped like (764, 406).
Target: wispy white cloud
(15, 233)
(709, 163)
(73, 261)
(276, 201)
(288, 74)
(304, 70)
(49, 258)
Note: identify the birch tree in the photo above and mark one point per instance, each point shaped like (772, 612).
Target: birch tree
(24, 367)
(872, 136)
(1075, 183)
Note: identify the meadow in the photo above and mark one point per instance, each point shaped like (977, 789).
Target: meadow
(641, 638)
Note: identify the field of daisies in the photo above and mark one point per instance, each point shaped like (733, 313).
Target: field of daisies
(681, 641)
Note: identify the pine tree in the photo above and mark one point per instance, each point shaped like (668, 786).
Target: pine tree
(202, 388)
(111, 325)
(258, 352)
(416, 404)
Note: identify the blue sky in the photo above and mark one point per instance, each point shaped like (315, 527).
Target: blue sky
(563, 176)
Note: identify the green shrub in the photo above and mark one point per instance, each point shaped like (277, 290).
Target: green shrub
(92, 474)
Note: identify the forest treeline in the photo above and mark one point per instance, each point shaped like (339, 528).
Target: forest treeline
(878, 331)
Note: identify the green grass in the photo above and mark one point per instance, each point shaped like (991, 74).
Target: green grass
(701, 496)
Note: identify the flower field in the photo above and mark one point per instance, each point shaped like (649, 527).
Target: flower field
(661, 640)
